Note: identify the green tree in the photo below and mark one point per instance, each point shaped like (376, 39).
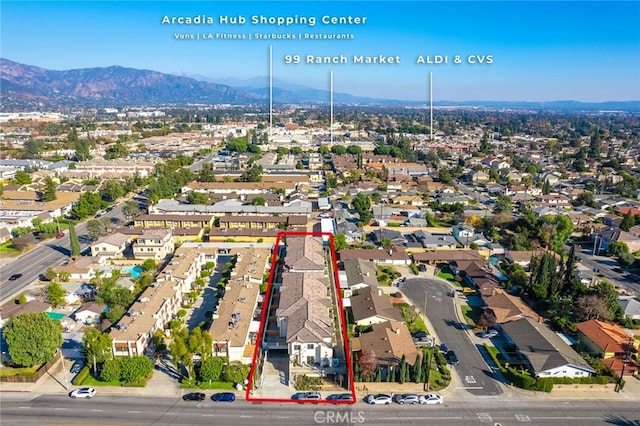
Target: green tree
(117, 150)
(56, 294)
(97, 346)
(404, 370)
(418, 373)
(112, 190)
(149, 264)
(49, 191)
(131, 209)
(33, 338)
(87, 205)
(211, 369)
(195, 197)
(617, 248)
(135, 368)
(627, 221)
(22, 178)
(254, 174)
(340, 242)
(111, 370)
(235, 372)
(82, 148)
(626, 260)
(115, 313)
(444, 175)
(205, 174)
(258, 201)
(338, 150)
(362, 204)
(74, 243)
(96, 228)
(608, 293)
(503, 204)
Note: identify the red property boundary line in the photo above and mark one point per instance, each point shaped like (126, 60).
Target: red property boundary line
(263, 319)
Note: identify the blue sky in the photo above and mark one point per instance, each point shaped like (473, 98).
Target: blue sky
(542, 51)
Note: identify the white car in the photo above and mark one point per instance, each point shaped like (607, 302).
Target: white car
(378, 399)
(432, 398)
(83, 393)
(489, 334)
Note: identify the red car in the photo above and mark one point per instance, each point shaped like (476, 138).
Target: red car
(60, 235)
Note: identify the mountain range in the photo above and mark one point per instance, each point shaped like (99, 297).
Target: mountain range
(27, 87)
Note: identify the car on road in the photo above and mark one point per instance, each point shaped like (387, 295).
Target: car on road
(87, 393)
(306, 396)
(340, 397)
(407, 398)
(431, 398)
(193, 396)
(14, 277)
(378, 399)
(223, 397)
(77, 366)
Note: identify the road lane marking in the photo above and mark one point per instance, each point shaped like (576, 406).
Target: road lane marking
(484, 417)
(134, 412)
(97, 411)
(60, 408)
(523, 418)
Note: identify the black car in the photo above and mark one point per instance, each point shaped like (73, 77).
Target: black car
(340, 397)
(77, 366)
(14, 277)
(419, 334)
(453, 358)
(193, 396)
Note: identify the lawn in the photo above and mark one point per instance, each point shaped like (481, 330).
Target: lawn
(92, 381)
(471, 314)
(412, 319)
(22, 371)
(7, 249)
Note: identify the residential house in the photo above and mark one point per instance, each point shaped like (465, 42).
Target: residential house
(174, 221)
(358, 273)
(154, 244)
(630, 306)
(12, 309)
(304, 254)
(435, 241)
(546, 354)
(612, 235)
(304, 317)
(370, 306)
(110, 246)
(522, 258)
(506, 307)
(82, 268)
(609, 342)
(89, 313)
(440, 256)
(393, 255)
(552, 200)
(389, 341)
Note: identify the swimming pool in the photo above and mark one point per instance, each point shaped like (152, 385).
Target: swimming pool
(134, 271)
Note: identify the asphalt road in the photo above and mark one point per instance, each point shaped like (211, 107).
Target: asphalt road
(609, 269)
(127, 410)
(476, 376)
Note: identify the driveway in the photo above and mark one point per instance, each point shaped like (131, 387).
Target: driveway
(475, 375)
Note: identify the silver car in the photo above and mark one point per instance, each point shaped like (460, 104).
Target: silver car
(407, 398)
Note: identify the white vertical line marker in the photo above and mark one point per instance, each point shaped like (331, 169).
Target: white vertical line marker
(431, 102)
(270, 90)
(331, 106)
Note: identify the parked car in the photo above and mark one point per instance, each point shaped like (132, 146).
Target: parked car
(77, 366)
(87, 393)
(419, 334)
(489, 334)
(193, 396)
(306, 396)
(422, 268)
(60, 235)
(340, 397)
(407, 398)
(378, 399)
(431, 398)
(453, 358)
(423, 341)
(14, 277)
(223, 397)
